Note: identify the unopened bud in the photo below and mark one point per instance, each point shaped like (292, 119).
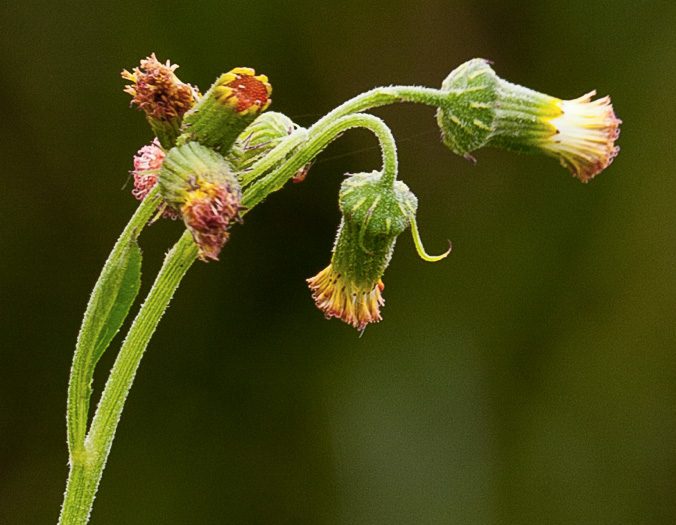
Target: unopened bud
(264, 134)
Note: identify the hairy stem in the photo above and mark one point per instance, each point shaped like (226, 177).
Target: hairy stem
(319, 137)
(88, 462)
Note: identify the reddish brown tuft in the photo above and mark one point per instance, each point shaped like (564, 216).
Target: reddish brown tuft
(249, 91)
(208, 214)
(157, 90)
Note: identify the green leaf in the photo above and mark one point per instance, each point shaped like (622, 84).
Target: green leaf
(108, 307)
(115, 299)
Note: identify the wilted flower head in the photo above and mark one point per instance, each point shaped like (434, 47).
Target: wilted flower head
(198, 183)
(485, 110)
(147, 163)
(158, 92)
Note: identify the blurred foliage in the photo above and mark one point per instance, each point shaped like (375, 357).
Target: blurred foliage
(528, 378)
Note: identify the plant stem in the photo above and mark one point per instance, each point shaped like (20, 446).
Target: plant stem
(383, 96)
(319, 137)
(87, 463)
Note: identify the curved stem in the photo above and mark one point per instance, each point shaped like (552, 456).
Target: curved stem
(382, 96)
(88, 463)
(319, 137)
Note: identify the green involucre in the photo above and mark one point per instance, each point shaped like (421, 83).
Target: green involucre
(187, 167)
(375, 212)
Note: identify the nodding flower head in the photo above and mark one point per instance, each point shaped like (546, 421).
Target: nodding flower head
(485, 110)
(375, 212)
(231, 104)
(158, 92)
(198, 183)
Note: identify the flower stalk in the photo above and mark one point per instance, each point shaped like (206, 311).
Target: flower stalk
(218, 156)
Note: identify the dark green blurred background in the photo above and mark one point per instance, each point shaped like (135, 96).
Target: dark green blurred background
(528, 378)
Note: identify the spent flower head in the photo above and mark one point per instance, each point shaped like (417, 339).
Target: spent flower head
(147, 164)
(159, 93)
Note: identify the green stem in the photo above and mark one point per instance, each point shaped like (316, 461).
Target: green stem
(384, 96)
(87, 463)
(319, 137)
(381, 96)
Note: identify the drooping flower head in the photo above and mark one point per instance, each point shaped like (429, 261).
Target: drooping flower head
(231, 104)
(199, 184)
(485, 110)
(375, 212)
(158, 92)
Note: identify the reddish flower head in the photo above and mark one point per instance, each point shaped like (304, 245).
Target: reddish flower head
(158, 92)
(198, 183)
(208, 212)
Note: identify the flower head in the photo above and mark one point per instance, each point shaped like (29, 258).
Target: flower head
(241, 89)
(485, 110)
(339, 296)
(231, 104)
(584, 135)
(208, 211)
(147, 164)
(158, 92)
(375, 212)
(198, 184)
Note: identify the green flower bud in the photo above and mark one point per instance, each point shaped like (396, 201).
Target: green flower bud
(231, 104)
(484, 110)
(198, 183)
(466, 122)
(266, 132)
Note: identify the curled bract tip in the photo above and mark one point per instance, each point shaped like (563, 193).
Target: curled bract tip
(419, 245)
